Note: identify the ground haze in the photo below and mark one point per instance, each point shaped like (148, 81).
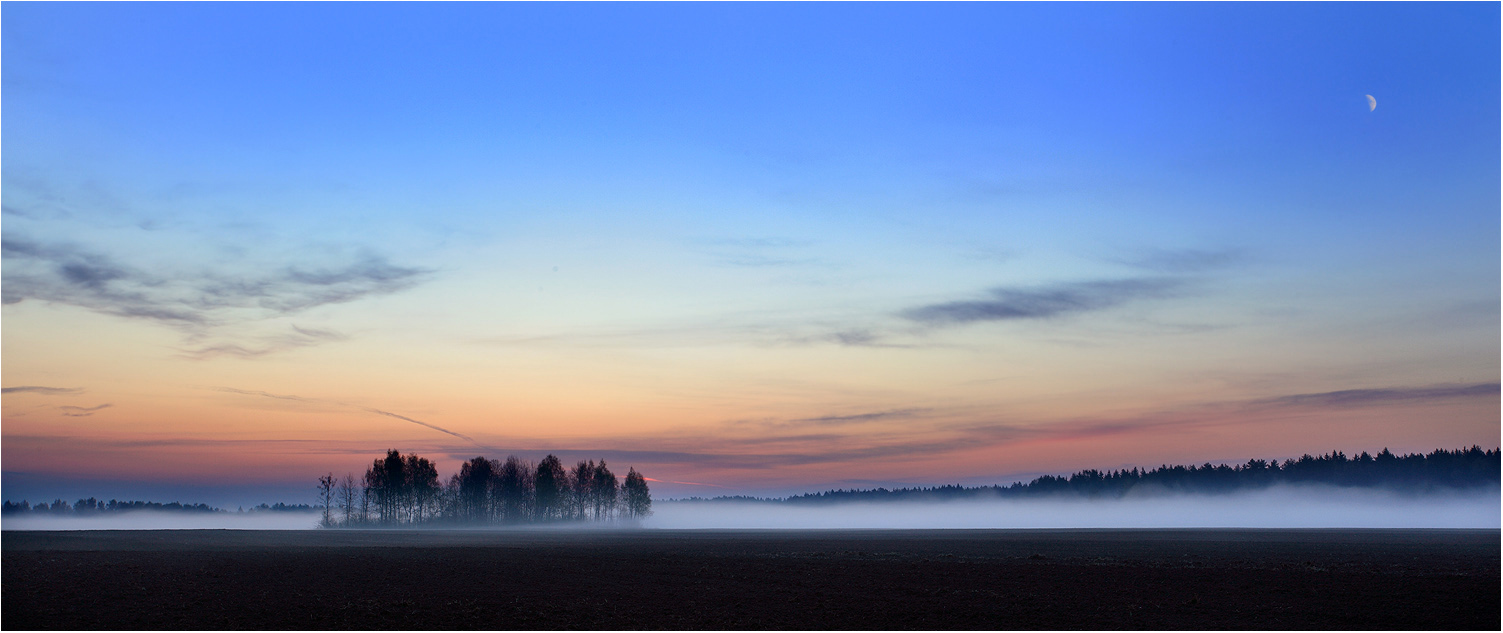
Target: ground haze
(818, 579)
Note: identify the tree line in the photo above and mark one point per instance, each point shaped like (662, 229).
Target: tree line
(92, 506)
(405, 490)
(1455, 469)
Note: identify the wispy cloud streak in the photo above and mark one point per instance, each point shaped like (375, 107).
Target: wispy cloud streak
(1046, 302)
(863, 417)
(1395, 395)
(1186, 261)
(298, 337)
(66, 442)
(83, 412)
(46, 391)
(757, 252)
(196, 302)
(737, 450)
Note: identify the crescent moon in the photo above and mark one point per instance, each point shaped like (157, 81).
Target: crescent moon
(1372, 104)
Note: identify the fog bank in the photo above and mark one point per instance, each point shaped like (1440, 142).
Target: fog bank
(1278, 507)
(149, 520)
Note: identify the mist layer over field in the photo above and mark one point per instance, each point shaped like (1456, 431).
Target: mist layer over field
(1278, 507)
(150, 520)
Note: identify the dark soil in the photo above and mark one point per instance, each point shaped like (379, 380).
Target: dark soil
(649, 579)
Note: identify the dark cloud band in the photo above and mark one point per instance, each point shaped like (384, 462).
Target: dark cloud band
(46, 391)
(1397, 395)
(1009, 304)
(83, 412)
(863, 417)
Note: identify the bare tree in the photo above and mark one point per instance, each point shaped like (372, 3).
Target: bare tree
(603, 491)
(451, 504)
(422, 487)
(365, 504)
(346, 495)
(326, 495)
(581, 485)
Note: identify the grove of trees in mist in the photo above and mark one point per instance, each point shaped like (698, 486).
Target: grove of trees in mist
(1440, 469)
(405, 490)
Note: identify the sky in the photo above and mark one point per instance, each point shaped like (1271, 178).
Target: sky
(742, 248)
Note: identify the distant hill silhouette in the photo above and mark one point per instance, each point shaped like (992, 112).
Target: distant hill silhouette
(1415, 472)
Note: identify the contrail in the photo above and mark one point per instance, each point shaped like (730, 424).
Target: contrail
(420, 423)
(687, 483)
(279, 397)
(353, 406)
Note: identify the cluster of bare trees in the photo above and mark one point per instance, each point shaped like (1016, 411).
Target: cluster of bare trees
(406, 490)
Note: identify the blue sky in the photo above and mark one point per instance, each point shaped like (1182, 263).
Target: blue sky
(701, 214)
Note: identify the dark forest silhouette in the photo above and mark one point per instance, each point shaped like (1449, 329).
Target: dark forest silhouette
(1414, 472)
(405, 490)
